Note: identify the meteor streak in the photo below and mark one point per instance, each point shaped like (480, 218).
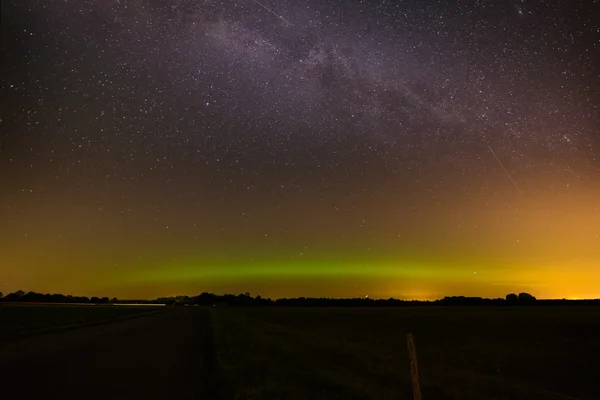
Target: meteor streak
(272, 12)
(505, 171)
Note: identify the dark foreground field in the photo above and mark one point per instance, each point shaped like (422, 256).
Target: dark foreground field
(463, 353)
(157, 356)
(20, 320)
(313, 353)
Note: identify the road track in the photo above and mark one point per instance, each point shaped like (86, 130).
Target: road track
(169, 355)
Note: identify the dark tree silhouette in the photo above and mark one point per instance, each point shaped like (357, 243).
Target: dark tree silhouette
(211, 299)
(511, 298)
(16, 296)
(526, 298)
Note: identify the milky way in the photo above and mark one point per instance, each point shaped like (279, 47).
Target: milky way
(136, 134)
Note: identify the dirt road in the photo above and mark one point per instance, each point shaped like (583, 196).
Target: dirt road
(163, 356)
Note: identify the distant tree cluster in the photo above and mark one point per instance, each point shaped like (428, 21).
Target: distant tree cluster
(33, 297)
(511, 299)
(210, 299)
(522, 298)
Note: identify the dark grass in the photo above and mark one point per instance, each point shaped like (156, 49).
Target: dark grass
(17, 320)
(360, 353)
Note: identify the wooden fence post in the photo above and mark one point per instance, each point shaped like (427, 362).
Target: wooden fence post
(414, 369)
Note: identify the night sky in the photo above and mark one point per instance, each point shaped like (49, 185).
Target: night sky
(409, 149)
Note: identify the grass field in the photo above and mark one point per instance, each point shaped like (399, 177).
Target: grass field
(360, 353)
(16, 320)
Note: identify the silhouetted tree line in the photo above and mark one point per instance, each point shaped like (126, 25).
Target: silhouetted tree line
(210, 299)
(33, 297)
